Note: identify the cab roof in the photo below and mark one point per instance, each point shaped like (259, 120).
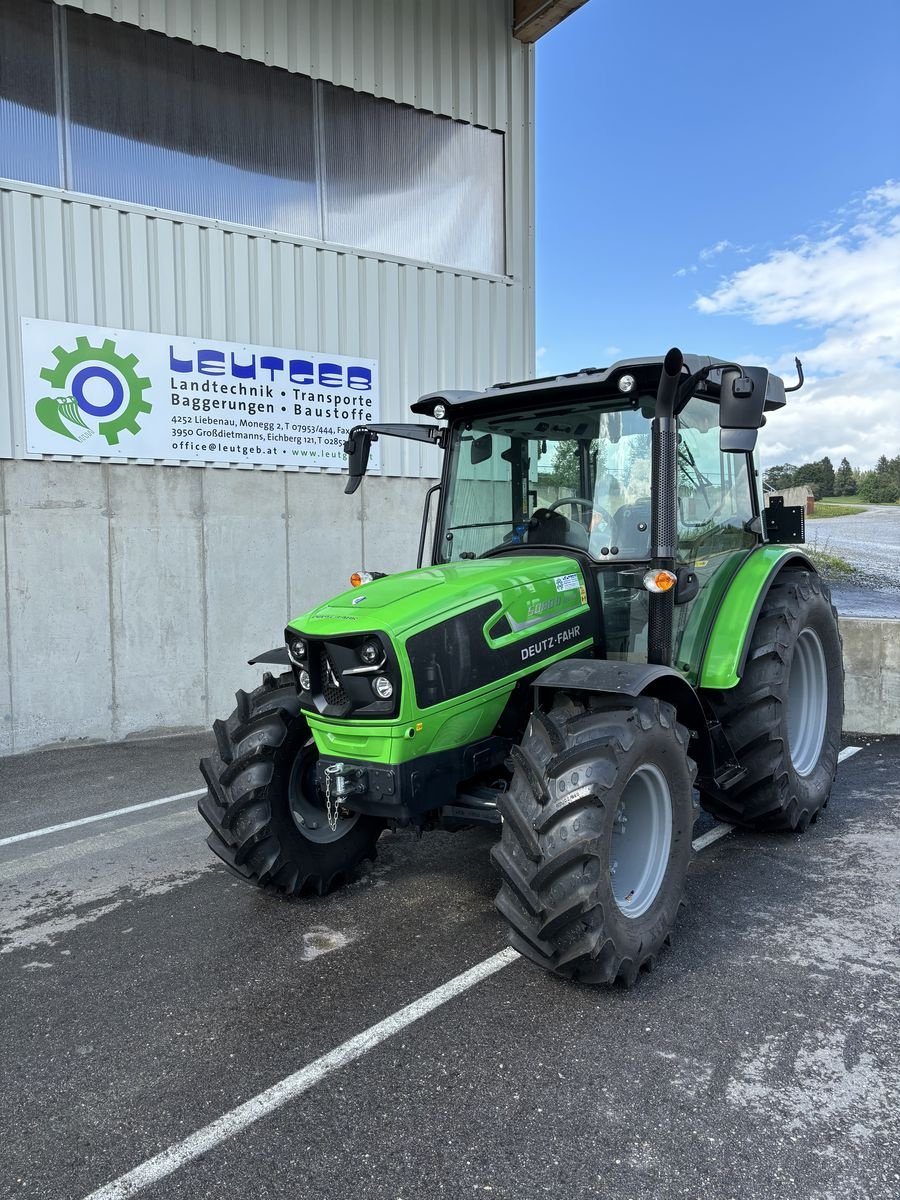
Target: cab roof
(598, 384)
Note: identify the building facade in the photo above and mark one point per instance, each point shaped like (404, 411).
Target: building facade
(350, 178)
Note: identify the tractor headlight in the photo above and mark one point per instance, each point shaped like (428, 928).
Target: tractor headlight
(304, 680)
(370, 653)
(382, 687)
(297, 651)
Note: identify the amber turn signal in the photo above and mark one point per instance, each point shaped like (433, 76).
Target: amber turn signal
(358, 578)
(660, 581)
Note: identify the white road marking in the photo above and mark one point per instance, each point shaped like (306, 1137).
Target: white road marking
(196, 1144)
(104, 816)
(712, 835)
(848, 752)
(720, 829)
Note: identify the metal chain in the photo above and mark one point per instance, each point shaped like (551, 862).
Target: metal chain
(331, 807)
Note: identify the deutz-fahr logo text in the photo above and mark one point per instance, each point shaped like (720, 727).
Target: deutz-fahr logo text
(551, 642)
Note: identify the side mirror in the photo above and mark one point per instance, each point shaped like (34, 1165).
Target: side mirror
(741, 401)
(357, 447)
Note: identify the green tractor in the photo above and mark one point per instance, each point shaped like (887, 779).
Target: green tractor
(612, 622)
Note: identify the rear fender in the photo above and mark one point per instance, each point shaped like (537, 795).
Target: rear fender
(613, 679)
(729, 638)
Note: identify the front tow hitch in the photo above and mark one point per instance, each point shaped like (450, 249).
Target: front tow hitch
(341, 782)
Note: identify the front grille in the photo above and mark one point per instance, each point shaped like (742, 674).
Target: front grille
(331, 687)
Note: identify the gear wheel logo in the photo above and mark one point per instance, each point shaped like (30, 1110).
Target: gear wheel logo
(102, 392)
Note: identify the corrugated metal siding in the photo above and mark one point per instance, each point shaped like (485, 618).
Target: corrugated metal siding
(109, 263)
(72, 260)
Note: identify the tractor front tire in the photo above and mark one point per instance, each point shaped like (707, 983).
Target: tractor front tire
(268, 819)
(783, 719)
(596, 837)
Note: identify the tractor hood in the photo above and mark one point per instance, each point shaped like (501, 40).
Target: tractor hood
(531, 590)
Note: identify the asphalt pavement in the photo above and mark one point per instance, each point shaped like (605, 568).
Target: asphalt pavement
(147, 994)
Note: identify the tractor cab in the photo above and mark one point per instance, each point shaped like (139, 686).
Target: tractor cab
(566, 464)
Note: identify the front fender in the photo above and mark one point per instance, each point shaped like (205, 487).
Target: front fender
(610, 677)
(278, 656)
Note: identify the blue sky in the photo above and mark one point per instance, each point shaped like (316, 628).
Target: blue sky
(726, 177)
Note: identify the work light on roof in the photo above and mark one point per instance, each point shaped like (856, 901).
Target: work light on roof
(627, 383)
(439, 412)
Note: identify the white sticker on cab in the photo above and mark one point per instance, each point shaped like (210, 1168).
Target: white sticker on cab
(566, 583)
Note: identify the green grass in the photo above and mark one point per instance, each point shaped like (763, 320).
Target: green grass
(842, 500)
(823, 509)
(830, 566)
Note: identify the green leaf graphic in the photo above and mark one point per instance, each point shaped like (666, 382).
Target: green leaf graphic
(53, 414)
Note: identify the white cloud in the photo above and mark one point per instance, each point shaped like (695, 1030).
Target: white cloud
(540, 352)
(708, 253)
(682, 271)
(711, 251)
(843, 289)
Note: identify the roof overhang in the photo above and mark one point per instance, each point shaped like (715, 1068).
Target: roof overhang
(533, 18)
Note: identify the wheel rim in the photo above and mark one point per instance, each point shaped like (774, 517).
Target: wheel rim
(307, 801)
(807, 702)
(641, 841)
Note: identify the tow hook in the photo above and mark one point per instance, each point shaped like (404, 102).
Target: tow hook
(342, 781)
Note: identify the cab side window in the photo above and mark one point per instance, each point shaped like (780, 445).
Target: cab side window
(715, 509)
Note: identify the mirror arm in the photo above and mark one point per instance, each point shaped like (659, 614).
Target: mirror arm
(797, 386)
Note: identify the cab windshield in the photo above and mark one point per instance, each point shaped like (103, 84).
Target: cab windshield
(579, 479)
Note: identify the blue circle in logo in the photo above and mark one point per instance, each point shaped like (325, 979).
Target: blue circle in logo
(96, 372)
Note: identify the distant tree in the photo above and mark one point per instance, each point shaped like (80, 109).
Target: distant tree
(565, 465)
(878, 488)
(811, 474)
(780, 477)
(883, 466)
(564, 471)
(827, 478)
(844, 480)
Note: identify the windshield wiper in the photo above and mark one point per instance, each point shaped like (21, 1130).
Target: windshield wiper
(479, 525)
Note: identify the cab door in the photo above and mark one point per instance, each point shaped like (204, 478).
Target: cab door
(717, 524)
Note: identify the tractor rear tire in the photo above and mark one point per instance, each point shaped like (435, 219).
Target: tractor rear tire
(783, 719)
(262, 796)
(588, 895)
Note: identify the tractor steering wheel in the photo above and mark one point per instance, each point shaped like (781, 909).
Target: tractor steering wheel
(585, 503)
(599, 514)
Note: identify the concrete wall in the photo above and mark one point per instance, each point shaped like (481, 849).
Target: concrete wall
(872, 668)
(135, 595)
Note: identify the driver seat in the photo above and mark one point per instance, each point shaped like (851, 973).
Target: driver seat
(553, 528)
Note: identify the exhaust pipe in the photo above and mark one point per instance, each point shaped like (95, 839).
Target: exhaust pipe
(663, 521)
